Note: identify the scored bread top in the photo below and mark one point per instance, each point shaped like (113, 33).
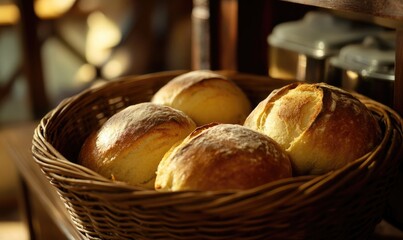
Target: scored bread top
(322, 127)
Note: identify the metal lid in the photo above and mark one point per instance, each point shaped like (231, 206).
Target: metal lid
(374, 57)
(319, 34)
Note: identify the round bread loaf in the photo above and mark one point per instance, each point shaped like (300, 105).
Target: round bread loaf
(320, 126)
(205, 97)
(222, 157)
(129, 145)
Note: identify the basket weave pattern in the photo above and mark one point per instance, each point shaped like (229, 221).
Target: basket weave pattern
(343, 204)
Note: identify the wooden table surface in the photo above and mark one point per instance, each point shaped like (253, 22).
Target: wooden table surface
(17, 140)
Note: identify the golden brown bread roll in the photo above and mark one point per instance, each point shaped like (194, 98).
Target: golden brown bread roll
(205, 97)
(130, 144)
(320, 126)
(222, 157)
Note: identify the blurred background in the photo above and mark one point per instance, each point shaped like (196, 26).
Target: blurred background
(77, 43)
(52, 49)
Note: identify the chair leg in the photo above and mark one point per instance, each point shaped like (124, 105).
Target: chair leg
(32, 61)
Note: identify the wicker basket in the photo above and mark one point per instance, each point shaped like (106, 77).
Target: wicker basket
(343, 204)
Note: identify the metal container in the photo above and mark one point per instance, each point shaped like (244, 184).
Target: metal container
(301, 49)
(367, 68)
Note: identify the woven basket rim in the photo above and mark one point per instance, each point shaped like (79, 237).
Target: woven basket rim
(101, 208)
(91, 177)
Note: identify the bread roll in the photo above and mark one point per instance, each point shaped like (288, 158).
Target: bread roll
(130, 144)
(222, 157)
(321, 127)
(205, 97)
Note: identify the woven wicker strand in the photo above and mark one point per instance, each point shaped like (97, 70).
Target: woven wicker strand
(343, 204)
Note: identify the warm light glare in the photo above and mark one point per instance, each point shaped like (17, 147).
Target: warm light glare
(85, 73)
(301, 67)
(103, 34)
(52, 8)
(112, 69)
(350, 80)
(9, 14)
(117, 66)
(352, 75)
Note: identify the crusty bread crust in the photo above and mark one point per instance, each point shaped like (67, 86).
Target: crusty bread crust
(222, 157)
(205, 97)
(321, 127)
(130, 144)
